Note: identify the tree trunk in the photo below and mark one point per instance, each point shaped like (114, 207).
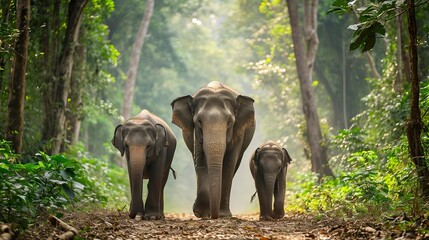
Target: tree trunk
(398, 81)
(3, 58)
(15, 112)
(49, 46)
(415, 124)
(305, 54)
(371, 63)
(344, 78)
(62, 72)
(135, 59)
(75, 104)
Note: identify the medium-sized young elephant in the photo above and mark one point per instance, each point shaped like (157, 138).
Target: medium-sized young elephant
(148, 144)
(268, 165)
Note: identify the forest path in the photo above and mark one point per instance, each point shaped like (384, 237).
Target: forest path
(117, 225)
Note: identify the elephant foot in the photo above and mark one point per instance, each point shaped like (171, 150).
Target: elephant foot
(202, 215)
(201, 212)
(135, 215)
(154, 216)
(279, 213)
(138, 217)
(225, 213)
(265, 218)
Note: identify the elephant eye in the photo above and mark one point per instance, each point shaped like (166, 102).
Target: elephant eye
(199, 123)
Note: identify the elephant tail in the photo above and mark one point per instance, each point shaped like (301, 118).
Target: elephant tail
(174, 173)
(253, 196)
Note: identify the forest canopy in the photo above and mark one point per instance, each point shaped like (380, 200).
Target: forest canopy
(342, 85)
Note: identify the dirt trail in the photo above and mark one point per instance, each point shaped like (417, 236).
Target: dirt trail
(117, 225)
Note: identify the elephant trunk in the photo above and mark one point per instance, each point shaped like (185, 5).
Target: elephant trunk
(136, 167)
(269, 182)
(214, 144)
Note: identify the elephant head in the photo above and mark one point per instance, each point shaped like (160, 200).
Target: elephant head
(213, 121)
(269, 166)
(140, 139)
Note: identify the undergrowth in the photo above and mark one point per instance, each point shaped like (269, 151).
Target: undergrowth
(57, 183)
(374, 175)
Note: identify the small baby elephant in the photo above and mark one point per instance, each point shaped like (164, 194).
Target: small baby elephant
(268, 165)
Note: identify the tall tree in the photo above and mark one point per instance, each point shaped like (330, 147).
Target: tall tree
(15, 113)
(415, 124)
(49, 44)
(62, 75)
(135, 59)
(73, 121)
(305, 54)
(5, 5)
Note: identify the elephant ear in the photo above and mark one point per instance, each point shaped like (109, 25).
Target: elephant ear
(182, 113)
(244, 114)
(117, 139)
(161, 138)
(256, 156)
(286, 158)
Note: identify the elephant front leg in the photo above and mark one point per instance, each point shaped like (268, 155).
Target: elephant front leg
(279, 196)
(136, 204)
(231, 163)
(264, 213)
(201, 207)
(154, 200)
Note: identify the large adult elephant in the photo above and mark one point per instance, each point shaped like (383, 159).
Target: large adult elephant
(217, 125)
(149, 145)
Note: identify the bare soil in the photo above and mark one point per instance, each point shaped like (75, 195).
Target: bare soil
(103, 224)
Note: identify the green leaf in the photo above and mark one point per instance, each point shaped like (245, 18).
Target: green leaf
(61, 159)
(340, 3)
(4, 166)
(69, 191)
(78, 185)
(354, 27)
(365, 36)
(60, 182)
(378, 28)
(337, 10)
(339, 7)
(358, 38)
(31, 167)
(369, 43)
(41, 164)
(66, 173)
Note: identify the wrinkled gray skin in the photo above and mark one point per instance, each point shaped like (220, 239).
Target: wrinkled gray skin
(268, 165)
(148, 144)
(217, 125)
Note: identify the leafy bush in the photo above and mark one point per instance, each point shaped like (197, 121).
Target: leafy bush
(55, 183)
(372, 182)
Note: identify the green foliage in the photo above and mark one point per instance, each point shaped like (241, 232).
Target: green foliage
(369, 187)
(55, 183)
(375, 176)
(424, 105)
(372, 18)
